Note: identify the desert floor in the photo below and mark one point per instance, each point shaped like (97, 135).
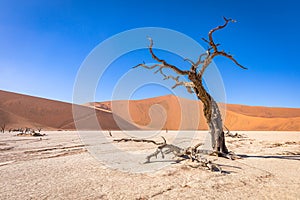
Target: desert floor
(89, 165)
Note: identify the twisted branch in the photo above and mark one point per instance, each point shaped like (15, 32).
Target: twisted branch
(194, 65)
(141, 140)
(189, 85)
(210, 33)
(214, 47)
(222, 53)
(148, 67)
(163, 62)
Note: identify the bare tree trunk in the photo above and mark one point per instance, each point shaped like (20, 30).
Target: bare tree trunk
(213, 117)
(216, 130)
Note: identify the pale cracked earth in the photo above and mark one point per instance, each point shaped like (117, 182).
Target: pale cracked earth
(63, 165)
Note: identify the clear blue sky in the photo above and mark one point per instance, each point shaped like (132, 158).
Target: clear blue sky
(43, 43)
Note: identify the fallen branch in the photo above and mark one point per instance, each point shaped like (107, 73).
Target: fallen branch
(192, 154)
(233, 135)
(139, 140)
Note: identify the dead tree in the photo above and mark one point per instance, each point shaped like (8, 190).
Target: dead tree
(109, 132)
(27, 130)
(3, 128)
(195, 84)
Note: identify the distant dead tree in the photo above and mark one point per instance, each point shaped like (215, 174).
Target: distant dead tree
(234, 135)
(195, 85)
(3, 128)
(109, 132)
(27, 130)
(16, 130)
(36, 134)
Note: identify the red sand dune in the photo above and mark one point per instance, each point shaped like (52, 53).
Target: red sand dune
(18, 110)
(167, 112)
(237, 117)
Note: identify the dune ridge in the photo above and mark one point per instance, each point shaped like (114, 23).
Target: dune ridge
(19, 110)
(166, 112)
(237, 117)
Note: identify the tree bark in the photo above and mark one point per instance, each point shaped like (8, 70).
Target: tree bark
(212, 115)
(216, 130)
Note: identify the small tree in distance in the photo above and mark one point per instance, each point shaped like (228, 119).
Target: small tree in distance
(195, 85)
(3, 128)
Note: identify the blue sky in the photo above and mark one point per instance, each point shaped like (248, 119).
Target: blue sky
(43, 43)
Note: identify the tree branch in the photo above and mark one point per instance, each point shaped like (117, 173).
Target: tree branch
(214, 47)
(190, 61)
(148, 67)
(206, 63)
(141, 140)
(222, 53)
(188, 85)
(165, 64)
(211, 41)
(200, 61)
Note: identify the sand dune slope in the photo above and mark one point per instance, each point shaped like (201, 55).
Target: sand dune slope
(17, 110)
(170, 112)
(165, 112)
